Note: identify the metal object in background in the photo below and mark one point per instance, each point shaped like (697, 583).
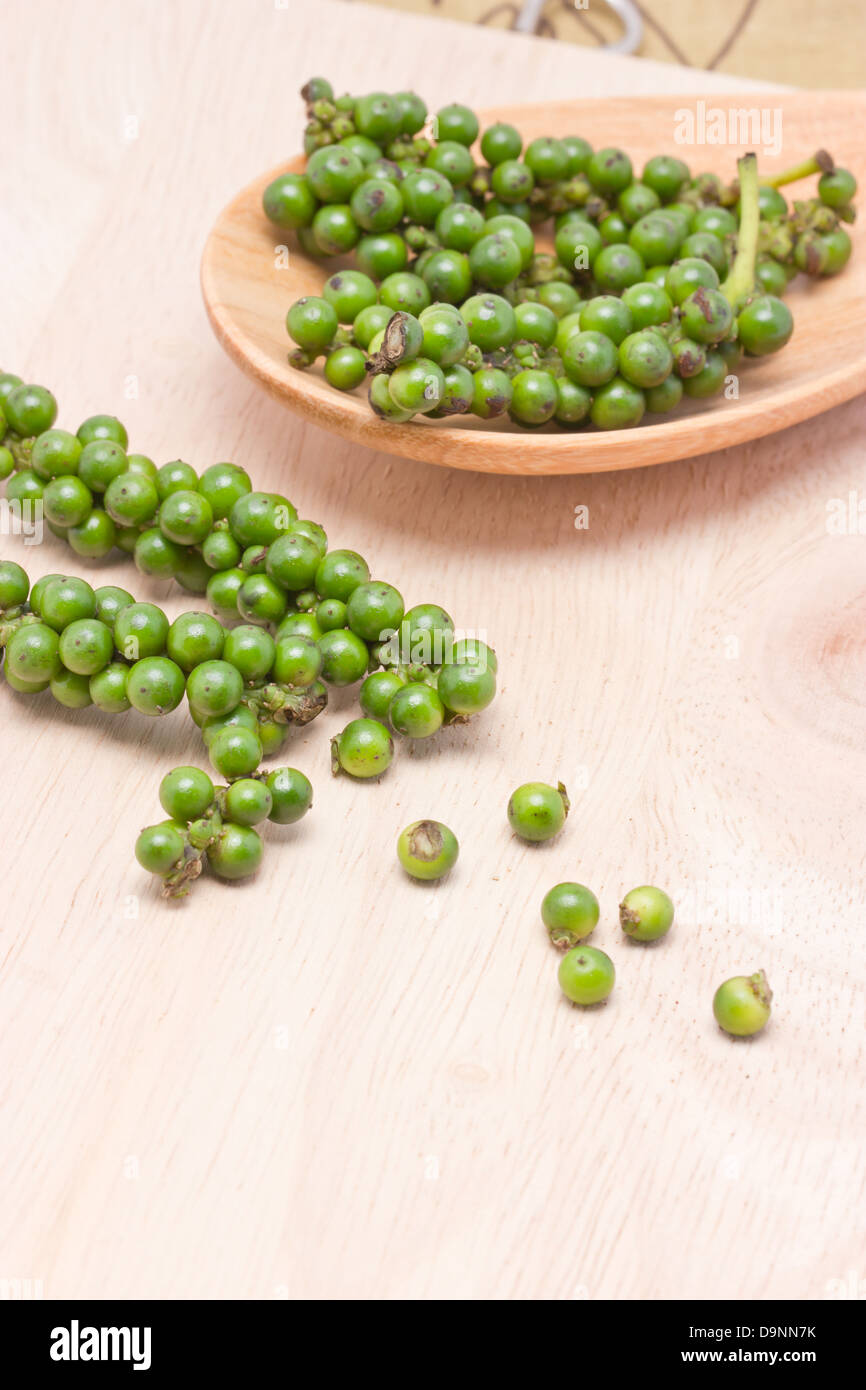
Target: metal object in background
(531, 11)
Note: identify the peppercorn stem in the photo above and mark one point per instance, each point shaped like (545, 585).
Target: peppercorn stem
(819, 163)
(741, 279)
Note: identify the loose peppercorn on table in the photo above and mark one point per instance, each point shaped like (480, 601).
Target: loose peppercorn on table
(334, 1079)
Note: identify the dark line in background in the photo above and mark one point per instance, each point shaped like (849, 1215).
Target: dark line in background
(734, 35)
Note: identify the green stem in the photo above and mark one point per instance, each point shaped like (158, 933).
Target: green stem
(820, 163)
(741, 278)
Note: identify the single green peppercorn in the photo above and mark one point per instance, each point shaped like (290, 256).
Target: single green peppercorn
(312, 322)
(297, 661)
(194, 638)
(590, 358)
(427, 850)
(570, 912)
(14, 584)
(533, 397)
(55, 452)
(664, 397)
(236, 853)
(248, 802)
(764, 325)
(291, 795)
(160, 848)
(331, 614)
(30, 410)
(260, 517)
(491, 393)
(688, 275)
(186, 793)
(645, 358)
(742, 1004)
(260, 600)
(33, 653)
(140, 629)
(155, 685)
(300, 624)
(646, 913)
(94, 537)
(131, 499)
(466, 687)
(617, 405)
(339, 573)
(215, 687)
(292, 561)
(221, 485)
(157, 556)
(345, 657)
(345, 368)
(710, 380)
(220, 551)
(364, 749)
(537, 811)
(86, 646)
(586, 975)
(609, 170)
(500, 142)
(71, 689)
(416, 711)
(374, 610)
(235, 752)
(379, 255)
(250, 650)
(377, 692)
(103, 427)
(289, 201)
(223, 589)
(490, 321)
(64, 600)
(108, 688)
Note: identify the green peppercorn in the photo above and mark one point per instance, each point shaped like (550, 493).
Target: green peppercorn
(537, 811)
(160, 848)
(427, 850)
(364, 749)
(742, 1004)
(235, 752)
(586, 975)
(416, 711)
(214, 687)
(570, 912)
(248, 802)
(236, 853)
(155, 685)
(646, 913)
(107, 688)
(86, 646)
(186, 793)
(14, 585)
(291, 794)
(194, 638)
(345, 657)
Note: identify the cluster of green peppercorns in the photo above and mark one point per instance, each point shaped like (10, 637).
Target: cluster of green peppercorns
(656, 288)
(308, 617)
(217, 825)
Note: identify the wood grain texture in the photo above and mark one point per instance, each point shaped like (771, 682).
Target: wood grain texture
(249, 280)
(331, 1082)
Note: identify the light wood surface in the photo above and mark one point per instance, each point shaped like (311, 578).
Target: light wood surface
(248, 285)
(332, 1082)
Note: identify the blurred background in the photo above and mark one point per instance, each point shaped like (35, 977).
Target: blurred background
(801, 42)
